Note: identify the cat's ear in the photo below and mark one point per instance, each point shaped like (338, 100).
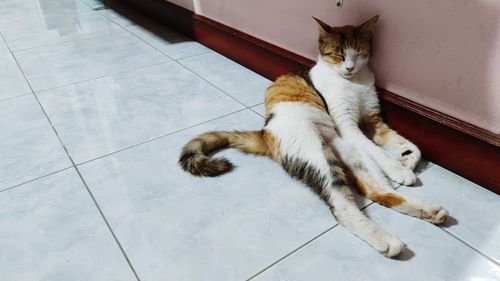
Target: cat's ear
(368, 26)
(323, 27)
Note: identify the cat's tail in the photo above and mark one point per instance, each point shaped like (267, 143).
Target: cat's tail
(196, 154)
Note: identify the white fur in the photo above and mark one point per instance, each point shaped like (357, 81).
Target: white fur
(352, 63)
(348, 101)
(294, 128)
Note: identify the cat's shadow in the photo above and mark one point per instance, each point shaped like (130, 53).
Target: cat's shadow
(451, 221)
(406, 255)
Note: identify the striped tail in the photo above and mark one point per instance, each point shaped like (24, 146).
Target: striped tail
(196, 155)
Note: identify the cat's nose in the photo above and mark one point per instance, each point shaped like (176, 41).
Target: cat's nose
(350, 69)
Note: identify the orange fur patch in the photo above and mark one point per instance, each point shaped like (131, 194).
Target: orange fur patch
(376, 130)
(271, 143)
(388, 199)
(371, 190)
(292, 88)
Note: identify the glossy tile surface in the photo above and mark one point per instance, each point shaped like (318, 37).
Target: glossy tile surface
(21, 13)
(167, 41)
(57, 28)
(29, 148)
(474, 209)
(175, 226)
(12, 82)
(51, 230)
(339, 255)
(3, 46)
(100, 116)
(244, 85)
(80, 60)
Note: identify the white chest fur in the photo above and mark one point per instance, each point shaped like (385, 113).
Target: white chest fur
(348, 99)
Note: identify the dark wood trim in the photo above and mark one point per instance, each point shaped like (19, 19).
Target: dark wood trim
(463, 148)
(437, 116)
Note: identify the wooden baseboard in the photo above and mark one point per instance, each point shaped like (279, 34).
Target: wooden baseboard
(463, 148)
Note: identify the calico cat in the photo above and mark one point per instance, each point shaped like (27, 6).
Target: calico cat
(323, 127)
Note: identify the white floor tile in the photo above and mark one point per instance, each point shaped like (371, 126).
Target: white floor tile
(29, 149)
(338, 255)
(234, 79)
(474, 209)
(167, 41)
(260, 109)
(22, 13)
(12, 82)
(57, 28)
(80, 60)
(3, 46)
(51, 230)
(100, 116)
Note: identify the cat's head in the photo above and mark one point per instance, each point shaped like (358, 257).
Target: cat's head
(346, 48)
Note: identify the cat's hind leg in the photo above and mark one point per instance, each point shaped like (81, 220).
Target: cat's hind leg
(371, 182)
(328, 180)
(315, 165)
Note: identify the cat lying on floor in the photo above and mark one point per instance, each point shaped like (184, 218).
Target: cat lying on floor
(323, 126)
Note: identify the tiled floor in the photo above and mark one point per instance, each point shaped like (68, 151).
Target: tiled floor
(94, 108)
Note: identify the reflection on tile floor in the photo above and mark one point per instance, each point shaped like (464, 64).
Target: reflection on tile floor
(123, 95)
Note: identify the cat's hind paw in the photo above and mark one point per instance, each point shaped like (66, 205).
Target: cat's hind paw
(436, 215)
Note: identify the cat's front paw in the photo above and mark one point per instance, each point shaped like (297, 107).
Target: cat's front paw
(400, 174)
(390, 246)
(410, 157)
(436, 214)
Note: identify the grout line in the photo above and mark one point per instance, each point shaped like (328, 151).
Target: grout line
(470, 246)
(100, 77)
(13, 97)
(256, 112)
(302, 246)
(90, 36)
(292, 252)
(204, 79)
(178, 62)
(196, 55)
(160, 137)
(74, 166)
(35, 179)
(251, 108)
(106, 221)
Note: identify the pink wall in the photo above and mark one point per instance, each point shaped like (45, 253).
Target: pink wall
(441, 54)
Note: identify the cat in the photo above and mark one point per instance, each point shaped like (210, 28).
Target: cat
(323, 127)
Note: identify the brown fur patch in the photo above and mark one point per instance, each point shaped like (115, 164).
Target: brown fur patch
(292, 88)
(376, 130)
(272, 144)
(362, 187)
(371, 190)
(388, 199)
(383, 135)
